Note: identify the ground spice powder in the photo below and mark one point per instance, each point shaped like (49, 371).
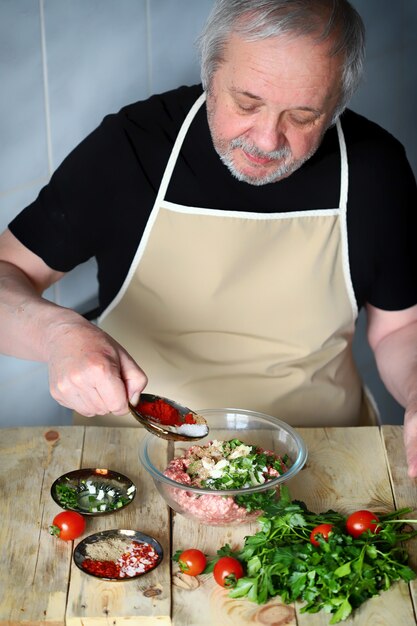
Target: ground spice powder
(109, 550)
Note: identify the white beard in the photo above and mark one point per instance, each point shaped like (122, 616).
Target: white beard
(283, 169)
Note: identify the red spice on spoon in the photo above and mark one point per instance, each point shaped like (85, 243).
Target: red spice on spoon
(168, 419)
(165, 413)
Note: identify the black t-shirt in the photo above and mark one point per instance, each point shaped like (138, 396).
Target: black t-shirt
(98, 201)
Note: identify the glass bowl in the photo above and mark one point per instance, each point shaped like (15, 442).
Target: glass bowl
(215, 507)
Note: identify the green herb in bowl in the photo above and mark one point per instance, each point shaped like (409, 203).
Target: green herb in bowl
(93, 491)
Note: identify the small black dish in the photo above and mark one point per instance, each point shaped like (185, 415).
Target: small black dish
(104, 543)
(93, 492)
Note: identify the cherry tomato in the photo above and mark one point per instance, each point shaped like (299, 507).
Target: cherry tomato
(321, 529)
(227, 571)
(360, 521)
(192, 562)
(67, 525)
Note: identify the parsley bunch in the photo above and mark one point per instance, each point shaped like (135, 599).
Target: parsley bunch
(337, 577)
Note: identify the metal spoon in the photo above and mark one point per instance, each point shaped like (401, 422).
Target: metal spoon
(172, 433)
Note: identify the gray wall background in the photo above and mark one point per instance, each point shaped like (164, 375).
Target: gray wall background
(65, 64)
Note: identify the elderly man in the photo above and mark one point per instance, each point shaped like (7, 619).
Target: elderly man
(238, 227)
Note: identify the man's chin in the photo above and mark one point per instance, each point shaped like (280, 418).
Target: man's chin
(257, 181)
(258, 174)
(257, 177)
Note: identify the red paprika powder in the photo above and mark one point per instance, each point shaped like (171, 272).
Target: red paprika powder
(104, 569)
(164, 413)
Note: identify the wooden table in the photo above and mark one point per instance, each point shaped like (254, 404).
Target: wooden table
(347, 469)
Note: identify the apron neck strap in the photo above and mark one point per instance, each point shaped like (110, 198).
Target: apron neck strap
(176, 149)
(344, 170)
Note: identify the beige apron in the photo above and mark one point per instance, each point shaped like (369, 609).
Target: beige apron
(239, 309)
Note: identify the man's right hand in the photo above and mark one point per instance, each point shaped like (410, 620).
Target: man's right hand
(89, 371)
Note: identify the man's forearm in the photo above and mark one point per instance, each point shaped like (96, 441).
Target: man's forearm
(28, 322)
(396, 357)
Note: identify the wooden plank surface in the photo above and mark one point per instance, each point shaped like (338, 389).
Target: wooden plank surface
(346, 470)
(145, 600)
(34, 565)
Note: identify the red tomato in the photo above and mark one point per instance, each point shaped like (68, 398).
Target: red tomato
(360, 521)
(227, 570)
(67, 525)
(321, 529)
(192, 562)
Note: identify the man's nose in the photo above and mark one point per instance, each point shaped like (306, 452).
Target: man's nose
(268, 133)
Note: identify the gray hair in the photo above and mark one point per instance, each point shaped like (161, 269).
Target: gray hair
(336, 20)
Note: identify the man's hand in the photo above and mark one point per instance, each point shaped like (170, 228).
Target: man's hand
(90, 372)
